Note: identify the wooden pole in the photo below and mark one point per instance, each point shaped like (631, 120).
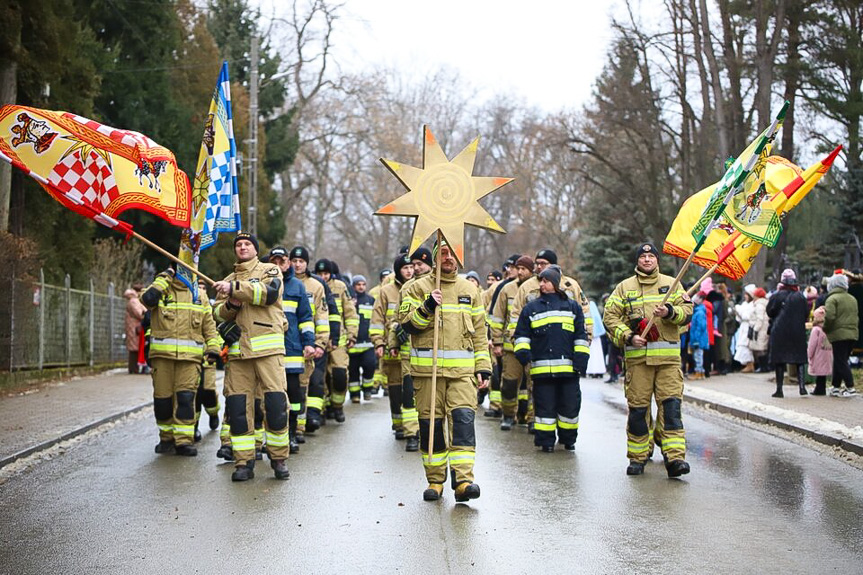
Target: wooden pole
(173, 258)
(433, 389)
(671, 290)
(695, 286)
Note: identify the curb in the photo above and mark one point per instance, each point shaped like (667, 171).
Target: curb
(829, 439)
(70, 434)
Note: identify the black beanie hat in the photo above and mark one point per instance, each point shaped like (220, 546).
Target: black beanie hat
(385, 273)
(404, 250)
(300, 252)
(552, 274)
(424, 255)
(323, 265)
(646, 248)
(510, 261)
(277, 252)
(334, 268)
(400, 262)
(496, 274)
(547, 255)
(249, 237)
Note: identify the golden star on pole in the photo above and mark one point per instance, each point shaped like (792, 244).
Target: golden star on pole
(443, 195)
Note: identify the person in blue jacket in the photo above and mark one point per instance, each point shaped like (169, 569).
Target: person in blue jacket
(299, 337)
(551, 337)
(699, 339)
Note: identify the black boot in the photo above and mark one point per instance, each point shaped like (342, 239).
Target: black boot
(280, 468)
(780, 377)
(244, 473)
(412, 444)
(635, 468)
(214, 421)
(226, 453)
(507, 423)
(492, 412)
(677, 467)
(164, 446)
(339, 414)
(186, 450)
(197, 434)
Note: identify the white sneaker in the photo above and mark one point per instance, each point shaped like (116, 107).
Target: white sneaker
(836, 391)
(849, 392)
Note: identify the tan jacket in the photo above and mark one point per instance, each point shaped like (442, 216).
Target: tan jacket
(347, 312)
(258, 287)
(384, 317)
(634, 299)
(500, 315)
(529, 291)
(180, 329)
(462, 338)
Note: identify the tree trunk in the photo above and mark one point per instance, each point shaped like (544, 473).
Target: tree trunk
(721, 119)
(736, 125)
(8, 95)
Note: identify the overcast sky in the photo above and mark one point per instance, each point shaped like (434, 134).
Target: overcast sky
(547, 52)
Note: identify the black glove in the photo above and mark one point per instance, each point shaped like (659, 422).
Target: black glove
(230, 332)
(483, 374)
(401, 335)
(212, 356)
(430, 304)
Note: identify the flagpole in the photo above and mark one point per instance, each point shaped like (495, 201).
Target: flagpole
(433, 389)
(173, 258)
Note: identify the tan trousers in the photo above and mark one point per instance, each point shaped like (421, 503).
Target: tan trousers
(455, 442)
(663, 383)
(511, 377)
(244, 378)
(175, 383)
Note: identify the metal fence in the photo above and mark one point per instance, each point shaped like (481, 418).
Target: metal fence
(44, 326)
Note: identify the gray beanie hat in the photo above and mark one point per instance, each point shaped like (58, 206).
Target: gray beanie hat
(358, 278)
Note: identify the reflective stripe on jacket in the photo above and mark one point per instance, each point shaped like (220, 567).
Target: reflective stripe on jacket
(550, 335)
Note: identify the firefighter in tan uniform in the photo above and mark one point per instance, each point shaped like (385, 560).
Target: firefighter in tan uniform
(338, 359)
(380, 380)
(320, 313)
(529, 291)
(182, 333)
(422, 261)
(496, 323)
(251, 297)
(463, 364)
(652, 363)
(382, 330)
(513, 372)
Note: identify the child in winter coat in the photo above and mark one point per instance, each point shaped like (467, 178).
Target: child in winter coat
(698, 334)
(820, 353)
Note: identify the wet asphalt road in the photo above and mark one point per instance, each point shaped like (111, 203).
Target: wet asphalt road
(753, 503)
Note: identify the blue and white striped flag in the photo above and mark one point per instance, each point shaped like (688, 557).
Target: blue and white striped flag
(215, 193)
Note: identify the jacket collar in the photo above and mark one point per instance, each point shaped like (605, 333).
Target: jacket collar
(246, 266)
(647, 278)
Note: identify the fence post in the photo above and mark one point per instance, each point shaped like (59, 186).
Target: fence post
(111, 321)
(68, 320)
(92, 320)
(42, 303)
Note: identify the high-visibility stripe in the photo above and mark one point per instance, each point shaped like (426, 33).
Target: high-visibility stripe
(445, 358)
(544, 366)
(567, 422)
(266, 342)
(545, 424)
(289, 306)
(352, 322)
(461, 457)
(315, 402)
(243, 442)
(161, 282)
(165, 427)
(257, 293)
(674, 443)
(175, 345)
(566, 318)
(353, 386)
(293, 361)
(494, 395)
(296, 407)
(521, 343)
(409, 414)
(307, 327)
(337, 398)
(435, 459)
(523, 395)
(278, 439)
(637, 447)
(481, 355)
(495, 322)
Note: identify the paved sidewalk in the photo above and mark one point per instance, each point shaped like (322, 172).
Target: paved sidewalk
(830, 420)
(43, 416)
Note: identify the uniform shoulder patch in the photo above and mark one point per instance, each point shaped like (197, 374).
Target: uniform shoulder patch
(274, 271)
(464, 299)
(663, 289)
(404, 307)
